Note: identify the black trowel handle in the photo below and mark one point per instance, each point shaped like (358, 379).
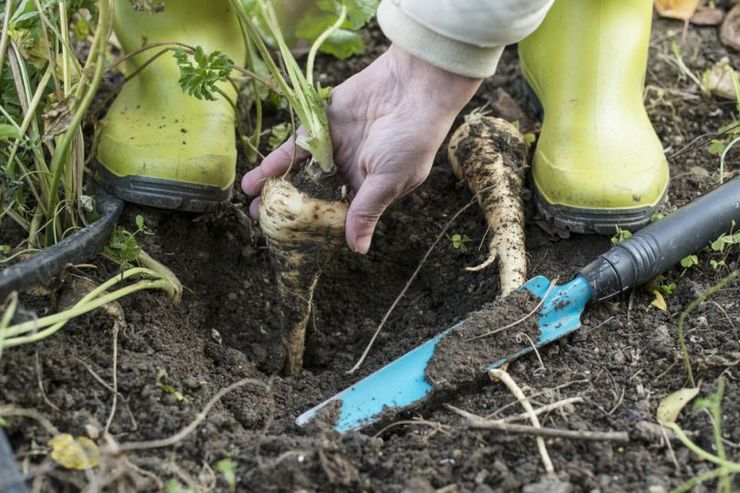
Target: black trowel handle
(657, 247)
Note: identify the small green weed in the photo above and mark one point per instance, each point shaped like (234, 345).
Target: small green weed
(175, 486)
(279, 134)
(620, 236)
(169, 389)
(667, 415)
(200, 72)
(460, 242)
(227, 468)
(122, 247)
(689, 261)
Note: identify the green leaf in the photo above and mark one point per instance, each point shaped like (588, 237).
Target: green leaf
(717, 147)
(175, 486)
(719, 244)
(8, 132)
(278, 135)
(140, 221)
(689, 261)
(343, 44)
(199, 79)
(227, 468)
(359, 12)
(168, 389)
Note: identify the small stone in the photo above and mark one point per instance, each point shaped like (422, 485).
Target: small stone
(232, 296)
(698, 172)
(547, 485)
(705, 16)
(729, 33)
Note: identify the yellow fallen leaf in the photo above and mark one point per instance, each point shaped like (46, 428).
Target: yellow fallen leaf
(676, 9)
(659, 301)
(672, 404)
(74, 453)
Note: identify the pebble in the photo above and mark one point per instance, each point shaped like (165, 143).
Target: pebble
(548, 486)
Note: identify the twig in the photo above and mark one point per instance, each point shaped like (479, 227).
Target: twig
(732, 324)
(116, 327)
(41, 383)
(502, 375)
(596, 436)
(525, 317)
(12, 411)
(179, 436)
(408, 285)
(537, 394)
(619, 403)
(479, 423)
(540, 410)
(519, 339)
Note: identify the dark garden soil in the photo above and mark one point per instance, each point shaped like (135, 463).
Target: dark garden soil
(622, 362)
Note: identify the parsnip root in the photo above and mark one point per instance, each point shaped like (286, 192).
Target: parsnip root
(490, 155)
(302, 234)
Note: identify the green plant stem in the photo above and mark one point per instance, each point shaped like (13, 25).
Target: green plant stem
(62, 150)
(716, 416)
(32, 325)
(11, 306)
(254, 141)
(691, 483)
(50, 55)
(723, 157)
(29, 118)
(4, 37)
(164, 272)
(23, 87)
(228, 99)
(321, 40)
(82, 308)
(692, 306)
(732, 467)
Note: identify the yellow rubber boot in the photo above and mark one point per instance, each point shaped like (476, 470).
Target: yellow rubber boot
(599, 163)
(159, 146)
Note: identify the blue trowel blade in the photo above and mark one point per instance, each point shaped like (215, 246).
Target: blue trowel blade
(402, 385)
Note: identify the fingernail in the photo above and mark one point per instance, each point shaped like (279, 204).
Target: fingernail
(362, 245)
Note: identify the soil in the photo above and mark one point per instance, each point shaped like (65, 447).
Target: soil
(622, 362)
(497, 332)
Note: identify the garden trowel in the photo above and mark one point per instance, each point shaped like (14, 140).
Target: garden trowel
(402, 385)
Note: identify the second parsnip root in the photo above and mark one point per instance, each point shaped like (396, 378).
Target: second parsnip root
(302, 234)
(490, 155)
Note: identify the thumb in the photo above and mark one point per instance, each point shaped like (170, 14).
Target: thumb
(374, 196)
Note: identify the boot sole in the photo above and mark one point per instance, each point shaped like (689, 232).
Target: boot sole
(163, 194)
(598, 221)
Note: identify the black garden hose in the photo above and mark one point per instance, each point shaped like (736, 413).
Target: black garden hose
(11, 480)
(79, 247)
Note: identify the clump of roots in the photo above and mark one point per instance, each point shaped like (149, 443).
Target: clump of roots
(303, 233)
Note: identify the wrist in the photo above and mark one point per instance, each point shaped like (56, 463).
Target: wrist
(449, 91)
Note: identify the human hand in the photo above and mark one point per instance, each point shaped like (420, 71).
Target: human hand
(387, 123)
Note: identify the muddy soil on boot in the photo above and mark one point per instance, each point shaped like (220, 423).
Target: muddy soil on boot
(622, 361)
